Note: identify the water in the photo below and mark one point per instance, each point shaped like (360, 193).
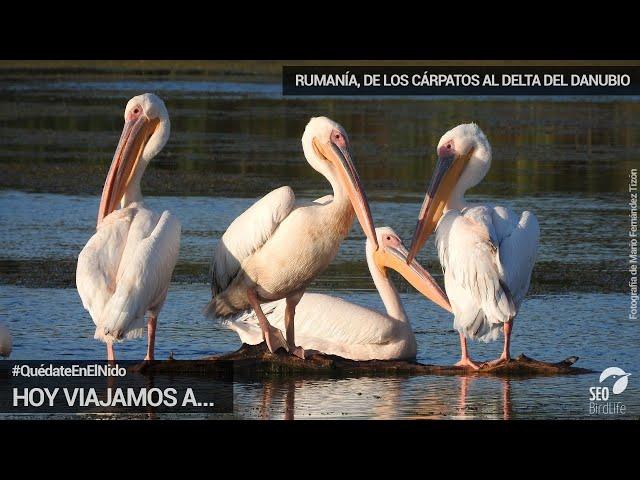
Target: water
(565, 159)
(50, 323)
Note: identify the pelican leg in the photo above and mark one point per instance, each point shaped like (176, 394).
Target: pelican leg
(465, 360)
(111, 354)
(506, 350)
(151, 336)
(289, 315)
(270, 334)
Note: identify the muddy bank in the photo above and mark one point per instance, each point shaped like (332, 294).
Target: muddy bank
(255, 361)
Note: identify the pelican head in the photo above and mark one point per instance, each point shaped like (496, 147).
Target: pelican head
(391, 253)
(464, 158)
(146, 131)
(326, 148)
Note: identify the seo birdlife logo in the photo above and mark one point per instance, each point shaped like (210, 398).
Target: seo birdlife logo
(600, 400)
(620, 376)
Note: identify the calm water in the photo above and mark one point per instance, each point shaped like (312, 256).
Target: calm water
(565, 159)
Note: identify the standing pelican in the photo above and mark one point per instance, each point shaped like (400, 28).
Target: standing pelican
(6, 343)
(278, 246)
(334, 326)
(124, 270)
(487, 252)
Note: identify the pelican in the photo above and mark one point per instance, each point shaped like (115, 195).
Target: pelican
(487, 252)
(337, 327)
(6, 343)
(279, 245)
(124, 270)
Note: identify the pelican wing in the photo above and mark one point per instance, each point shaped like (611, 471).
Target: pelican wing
(322, 319)
(144, 279)
(149, 255)
(487, 254)
(519, 238)
(248, 233)
(324, 200)
(468, 248)
(98, 262)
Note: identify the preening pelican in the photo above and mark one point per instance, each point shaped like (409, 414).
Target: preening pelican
(337, 327)
(487, 252)
(124, 270)
(278, 246)
(6, 343)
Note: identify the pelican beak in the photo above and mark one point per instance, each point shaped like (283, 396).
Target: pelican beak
(135, 135)
(444, 179)
(348, 175)
(413, 272)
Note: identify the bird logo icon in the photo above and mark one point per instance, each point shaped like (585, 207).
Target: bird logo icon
(619, 375)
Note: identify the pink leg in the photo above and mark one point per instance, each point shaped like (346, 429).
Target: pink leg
(289, 315)
(465, 360)
(506, 350)
(151, 336)
(111, 355)
(271, 335)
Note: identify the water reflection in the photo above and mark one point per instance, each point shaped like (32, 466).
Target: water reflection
(284, 391)
(375, 398)
(469, 410)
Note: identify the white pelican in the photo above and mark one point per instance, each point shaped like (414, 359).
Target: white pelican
(278, 246)
(487, 252)
(6, 343)
(334, 326)
(124, 270)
